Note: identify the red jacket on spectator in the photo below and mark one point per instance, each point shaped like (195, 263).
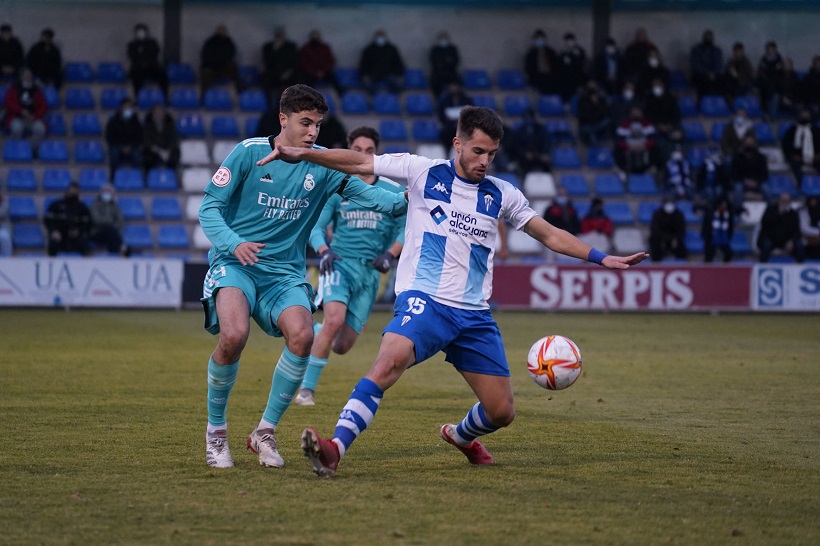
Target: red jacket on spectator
(15, 102)
(316, 59)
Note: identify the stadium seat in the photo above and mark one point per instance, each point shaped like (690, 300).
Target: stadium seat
(749, 103)
(111, 97)
(485, 101)
(111, 72)
(714, 106)
(559, 130)
(476, 79)
(717, 130)
(608, 185)
(392, 129)
(56, 124)
(331, 103)
(619, 212)
(185, 98)
(165, 208)
(512, 178)
(355, 102)
(386, 104)
(566, 157)
(347, 77)
(192, 205)
(516, 105)
(396, 149)
(148, 97)
(252, 100)
(224, 127)
(519, 242)
(695, 156)
(645, 211)
(693, 241)
(250, 127)
(17, 151)
(418, 104)
(677, 81)
(92, 179)
(161, 179)
(687, 106)
(539, 185)
(550, 105)
(689, 213)
(249, 76)
(433, 151)
(415, 79)
(28, 236)
(190, 125)
(128, 179)
(22, 180)
(217, 99)
(810, 185)
(628, 240)
(740, 243)
(752, 213)
(22, 207)
(425, 130)
(88, 151)
(51, 93)
(194, 152)
(180, 74)
(56, 179)
(642, 184)
(53, 151)
(780, 183)
(194, 179)
(582, 207)
(764, 133)
(172, 236)
(575, 184)
(200, 239)
(79, 98)
(781, 130)
(138, 236)
(132, 208)
(599, 158)
(78, 72)
(86, 124)
(221, 150)
(511, 79)
(693, 131)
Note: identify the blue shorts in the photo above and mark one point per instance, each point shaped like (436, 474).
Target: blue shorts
(470, 339)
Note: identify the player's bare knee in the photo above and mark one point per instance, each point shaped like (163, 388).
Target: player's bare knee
(231, 344)
(342, 346)
(502, 417)
(300, 342)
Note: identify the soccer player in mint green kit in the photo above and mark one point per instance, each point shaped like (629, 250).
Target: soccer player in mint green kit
(259, 219)
(364, 244)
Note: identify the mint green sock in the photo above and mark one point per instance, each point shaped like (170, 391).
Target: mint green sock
(315, 368)
(220, 383)
(286, 380)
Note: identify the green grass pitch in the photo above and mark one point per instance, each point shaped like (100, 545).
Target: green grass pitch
(683, 429)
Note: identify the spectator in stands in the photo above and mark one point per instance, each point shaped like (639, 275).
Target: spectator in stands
(738, 75)
(635, 147)
(381, 65)
(717, 229)
(750, 173)
(678, 177)
(11, 53)
(444, 63)
(769, 70)
(662, 111)
(45, 60)
(561, 212)
(623, 104)
(26, 107)
(108, 222)
(636, 56)
(68, 223)
(810, 227)
(667, 232)
(652, 72)
(607, 68)
(572, 66)
(731, 139)
(317, 64)
(143, 54)
(541, 65)
(810, 88)
(5, 228)
(713, 180)
(280, 60)
(218, 57)
(160, 139)
(530, 150)
(594, 115)
(780, 230)
(788, 88)
(597, 227)
(124, 136)
(801, 145)
(706, 66)
(449, 107)
(333, 133)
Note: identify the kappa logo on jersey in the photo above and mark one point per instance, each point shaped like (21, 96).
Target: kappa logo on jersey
(441, 187)
(266, 178)
(488, 202)
(438, 214)
(405, 319)
(221, 177)
(309, 183)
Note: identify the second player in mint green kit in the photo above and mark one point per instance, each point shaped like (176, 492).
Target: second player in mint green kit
(364, 243)
(259, 219)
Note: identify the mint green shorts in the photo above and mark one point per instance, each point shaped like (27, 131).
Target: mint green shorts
(356, 284)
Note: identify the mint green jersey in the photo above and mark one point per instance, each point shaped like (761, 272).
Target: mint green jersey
(277, 204)
(359, 232)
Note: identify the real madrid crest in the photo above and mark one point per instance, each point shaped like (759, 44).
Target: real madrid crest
(309, 183)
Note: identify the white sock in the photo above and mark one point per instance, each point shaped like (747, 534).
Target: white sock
(212, 428)
(266, 424)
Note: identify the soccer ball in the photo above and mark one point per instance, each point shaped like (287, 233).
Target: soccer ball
(554, 362)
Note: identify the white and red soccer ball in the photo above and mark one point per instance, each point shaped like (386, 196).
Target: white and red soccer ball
(554, 362)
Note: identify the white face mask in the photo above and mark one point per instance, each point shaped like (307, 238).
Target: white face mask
(539, 42)
(380, 40)
(740, 121)
(629, 94)
(677, 156)
(140, 34)
(561, 200)
(657, 91)
(127, 113)
(107, 197)
(653, 62)
(611, 50)
(669, 208)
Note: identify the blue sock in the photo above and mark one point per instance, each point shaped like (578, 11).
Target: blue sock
(358, 413)
(315, 368)
(220, 383)
(286, 380)
(475, 424)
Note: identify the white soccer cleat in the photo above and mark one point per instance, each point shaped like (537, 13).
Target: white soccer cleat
(304, 398)
(263, 443)
(217, 452)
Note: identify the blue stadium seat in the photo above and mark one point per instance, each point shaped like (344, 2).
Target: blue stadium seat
(56, 124)
(392, 129)
(599, 158)
(694, 242)
(810, 185)
(172, 236)
(688, 210)
(160, 179)
(396, 149)
(347, 77)
(485, 101)
(53, 151)
(149, 96)
(418, 104)
(128, 179)
(717, 130)
(52, 96)
(132, 208)
(386, 104)
(217, 99)
(28, 236)
(249, 75)
(516, 105)
(550, 105)
(252, 100)
(608, 185)
(190, 125)
(355, 102)
(764, 133)
(111, 97)
(677, 81)
(512, 178)
(92, 179)
(224, 126)
(714, 106)
(331, 103)
(21, 180)
(17, 151)
(566, 157)
(740, 243)
(89, 151)
(184, 98)
(688, 107)
(165, 208)
(511, 79)
(78, 72)
(415, 79)
(781, 130)
(575, 184)
(693, 131)
(559, 130)
(425, 130)
(79, 98)
(111, 72)
(779, 183)
(619, 212)
(22, 207)
(696, 155)
(56, 179)
(86, 124)
(582, 208)
(476, 79)
(250, 127)
(180, 74)
(645, 211)
(138, 236)
(750, 103)
(642, 184)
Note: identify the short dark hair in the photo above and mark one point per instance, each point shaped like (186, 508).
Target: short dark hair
(5, 27)
(301, 98)
(141, 26)
(47, 32)
(364, 131)
(478, 117)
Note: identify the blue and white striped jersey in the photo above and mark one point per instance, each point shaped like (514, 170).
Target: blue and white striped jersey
(451, 230)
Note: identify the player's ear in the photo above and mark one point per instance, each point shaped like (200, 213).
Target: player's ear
(283, 120)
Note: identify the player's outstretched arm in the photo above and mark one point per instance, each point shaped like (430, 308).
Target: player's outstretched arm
(564, 242)
(346, 161)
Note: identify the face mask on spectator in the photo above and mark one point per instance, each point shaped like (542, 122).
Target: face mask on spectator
(106, 196)
(380, 40)
(140, 34)
(740, 121)
(629, 94)
(669, 208)
(561, 200)
(657, 91)
(677, 155)
(654, 62)
(127, 113)
(610, 49)
(539, 42)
